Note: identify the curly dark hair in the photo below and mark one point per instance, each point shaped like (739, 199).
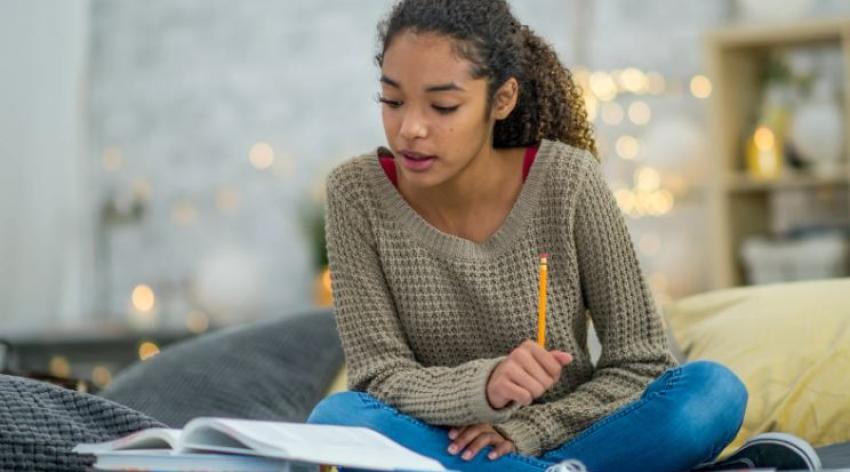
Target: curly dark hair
(487, 34)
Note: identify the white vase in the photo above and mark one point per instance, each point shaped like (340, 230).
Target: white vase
(817, 130)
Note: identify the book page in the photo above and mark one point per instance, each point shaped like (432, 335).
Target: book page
(326, 444)
(153, 438)
(139, 459)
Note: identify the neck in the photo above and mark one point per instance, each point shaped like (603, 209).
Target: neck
(489, 179)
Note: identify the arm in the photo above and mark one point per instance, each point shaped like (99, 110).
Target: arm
(378, 358)
(634, 345)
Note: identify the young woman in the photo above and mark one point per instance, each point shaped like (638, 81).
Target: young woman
(433, 245)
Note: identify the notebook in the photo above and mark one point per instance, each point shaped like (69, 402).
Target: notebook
(259, 445)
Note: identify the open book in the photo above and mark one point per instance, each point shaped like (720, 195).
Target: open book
(255, 445)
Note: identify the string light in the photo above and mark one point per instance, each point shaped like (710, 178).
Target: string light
(101, 376)
(627, 147)
(592, 107)
(647, 179)
(581, 76)
(700, 86)
(641, 203)
(655, 83)
(639, 112)
(638, 203)
(660, 203)
(634, 80)
(197, 321)
(603, 86)
(607, 86)
(59, 367)
(147, 350)
(143, 298)
(261, 155)
(625, 200)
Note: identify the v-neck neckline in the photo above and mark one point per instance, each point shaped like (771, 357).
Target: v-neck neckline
(453, 246)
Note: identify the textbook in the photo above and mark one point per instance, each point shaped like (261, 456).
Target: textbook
(169, 461)
(231, 444)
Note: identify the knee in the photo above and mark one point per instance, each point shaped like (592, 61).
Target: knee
(716, 385)
(336, 408)
(715, 402)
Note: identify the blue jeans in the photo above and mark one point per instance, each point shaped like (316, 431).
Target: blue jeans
(684, 418)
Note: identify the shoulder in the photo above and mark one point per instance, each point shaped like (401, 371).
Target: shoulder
(349, 179)
(570, 162)
(570, 168)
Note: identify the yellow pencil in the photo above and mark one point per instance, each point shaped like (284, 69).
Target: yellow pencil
(541, 302)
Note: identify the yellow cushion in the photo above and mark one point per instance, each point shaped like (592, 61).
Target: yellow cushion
(340, 383)
(789, 343)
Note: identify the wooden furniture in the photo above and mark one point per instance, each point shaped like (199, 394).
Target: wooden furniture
(739, 205)
(31, 354)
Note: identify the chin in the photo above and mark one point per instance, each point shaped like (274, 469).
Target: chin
(425, 179)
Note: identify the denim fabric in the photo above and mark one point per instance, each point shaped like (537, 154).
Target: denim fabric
(684, 418)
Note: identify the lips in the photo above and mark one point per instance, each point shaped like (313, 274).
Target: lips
(416, 156)
(417, 161)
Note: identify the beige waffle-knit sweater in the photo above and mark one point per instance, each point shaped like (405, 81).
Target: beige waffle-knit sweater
(425, 316)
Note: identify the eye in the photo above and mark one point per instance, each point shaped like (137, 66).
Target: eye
(446, 110)
(389, 103)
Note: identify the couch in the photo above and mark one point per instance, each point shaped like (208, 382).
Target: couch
(789, 343)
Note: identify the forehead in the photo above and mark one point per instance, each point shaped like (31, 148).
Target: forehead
(424, 58)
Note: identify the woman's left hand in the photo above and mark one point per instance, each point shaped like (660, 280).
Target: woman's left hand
(476, 437)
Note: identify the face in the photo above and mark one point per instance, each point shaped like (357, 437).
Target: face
(434, 113)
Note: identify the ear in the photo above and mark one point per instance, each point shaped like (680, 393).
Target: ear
(505, 99)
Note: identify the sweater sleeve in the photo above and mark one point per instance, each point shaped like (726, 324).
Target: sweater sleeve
(378, 358)
(634, 344)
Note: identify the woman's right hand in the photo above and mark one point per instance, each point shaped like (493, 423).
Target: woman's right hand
(527, 373)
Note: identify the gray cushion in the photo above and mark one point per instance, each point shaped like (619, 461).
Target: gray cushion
(40, 423)
(273, 370)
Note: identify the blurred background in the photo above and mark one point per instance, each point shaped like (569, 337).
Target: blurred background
(162, 162)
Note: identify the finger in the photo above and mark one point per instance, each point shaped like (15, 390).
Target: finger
(465, 438)
(529, 361)
(527, 382)
(501, 449)
(479, 443)
(454, 432)
(547, 361)
(517, 393)
(563, 357)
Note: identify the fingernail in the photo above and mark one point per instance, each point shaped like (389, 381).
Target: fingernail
(467, 455)
(452, 434)
(492, 455)
(452, 449)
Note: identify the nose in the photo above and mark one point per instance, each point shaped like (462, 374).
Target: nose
(413, 126)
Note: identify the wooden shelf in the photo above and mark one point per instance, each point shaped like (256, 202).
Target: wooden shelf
(773, 35)
(739, 205)
(743, 182)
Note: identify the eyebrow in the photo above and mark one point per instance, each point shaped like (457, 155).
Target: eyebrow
(431, 88)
